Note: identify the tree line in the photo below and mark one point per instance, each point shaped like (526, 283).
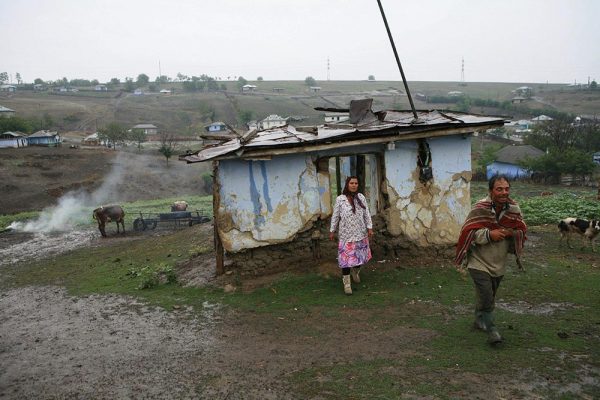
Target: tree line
(569, 147)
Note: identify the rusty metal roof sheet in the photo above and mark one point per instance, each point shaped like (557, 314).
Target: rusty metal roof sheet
(390, 125)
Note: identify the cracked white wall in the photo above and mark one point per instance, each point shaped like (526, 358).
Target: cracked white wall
(268, 202)
(431, 213)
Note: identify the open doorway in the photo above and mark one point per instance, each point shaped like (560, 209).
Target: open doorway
(366, 167)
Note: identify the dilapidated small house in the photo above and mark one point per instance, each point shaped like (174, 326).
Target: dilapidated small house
(44, 138)
(274, 189)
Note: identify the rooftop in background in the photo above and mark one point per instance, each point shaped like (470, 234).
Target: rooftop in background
(363, 127)
(144, 126)
(514, 154)
(43, 133)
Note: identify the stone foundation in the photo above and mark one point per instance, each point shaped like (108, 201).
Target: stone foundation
(312, 247)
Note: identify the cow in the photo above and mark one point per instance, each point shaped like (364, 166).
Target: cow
(113, 213)
(587, 229)
(179, 205)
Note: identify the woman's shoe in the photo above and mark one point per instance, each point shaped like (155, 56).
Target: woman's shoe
(347, 284)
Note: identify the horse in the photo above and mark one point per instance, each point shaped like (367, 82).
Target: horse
(106, 214)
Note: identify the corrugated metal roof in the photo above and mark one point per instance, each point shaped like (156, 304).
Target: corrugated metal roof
(144, 126)
(43, 134)
(12, 134)
(388, 125)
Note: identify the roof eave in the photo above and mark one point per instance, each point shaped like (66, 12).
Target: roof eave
(392, 135)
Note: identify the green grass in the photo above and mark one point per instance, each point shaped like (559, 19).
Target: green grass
(435, 298)
(564, 202)
(6, 220)
(132, 210)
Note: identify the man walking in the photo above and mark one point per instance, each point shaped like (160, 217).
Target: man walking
(493, 228)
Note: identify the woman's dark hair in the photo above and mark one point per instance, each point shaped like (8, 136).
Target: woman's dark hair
(496, 178)
(352, 196)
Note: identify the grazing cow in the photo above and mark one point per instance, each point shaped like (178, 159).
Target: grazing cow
(106, 214)
(179, 206)
(587, 229)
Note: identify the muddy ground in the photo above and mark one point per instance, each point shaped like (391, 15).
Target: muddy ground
(53, 345)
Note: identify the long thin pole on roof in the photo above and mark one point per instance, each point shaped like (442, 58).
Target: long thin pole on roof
(387, 27)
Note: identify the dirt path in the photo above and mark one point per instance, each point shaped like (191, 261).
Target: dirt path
(56, 346)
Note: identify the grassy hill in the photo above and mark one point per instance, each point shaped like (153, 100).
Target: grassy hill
(187, 112)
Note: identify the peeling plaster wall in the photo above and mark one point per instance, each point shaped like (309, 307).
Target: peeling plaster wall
(268, 202)
(430, 213)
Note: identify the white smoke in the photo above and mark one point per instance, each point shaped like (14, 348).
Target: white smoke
(75, 208)
(132, 177)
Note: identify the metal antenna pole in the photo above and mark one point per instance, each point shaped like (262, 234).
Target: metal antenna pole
(412, 105)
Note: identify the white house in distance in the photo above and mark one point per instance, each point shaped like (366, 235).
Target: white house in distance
(524, 91)
(148, 129)
(100, 88)
(6, 112)
(138, 92)
(336, 117)
(248, 88)
(165, 91)
(541, 118)
(217, 126)
(272, 121)
(8, 88)
(315, 89)
(12, 139)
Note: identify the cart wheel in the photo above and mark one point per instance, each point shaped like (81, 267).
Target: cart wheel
(139, 225)
(191, 222)
(152, 225)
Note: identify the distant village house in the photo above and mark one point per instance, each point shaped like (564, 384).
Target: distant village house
(508, 160)
(12, 139)
(44, 138)
(272, 121)
(248, 88)
(8, 88)
(6, 112)
(148, 129)
(336, 117)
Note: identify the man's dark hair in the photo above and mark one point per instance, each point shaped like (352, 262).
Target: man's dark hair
(497, 177)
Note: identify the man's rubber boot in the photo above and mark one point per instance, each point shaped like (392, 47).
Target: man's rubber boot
(347, 284)
(479, 324)
(493, 334)
(355, 274)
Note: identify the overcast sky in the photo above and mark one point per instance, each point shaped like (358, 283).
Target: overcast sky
(500, 40)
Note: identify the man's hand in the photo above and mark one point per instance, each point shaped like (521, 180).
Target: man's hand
(500, 234)
(370, 233)
(332, 236)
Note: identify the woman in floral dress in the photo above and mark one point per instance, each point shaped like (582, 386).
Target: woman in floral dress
(352, 221)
